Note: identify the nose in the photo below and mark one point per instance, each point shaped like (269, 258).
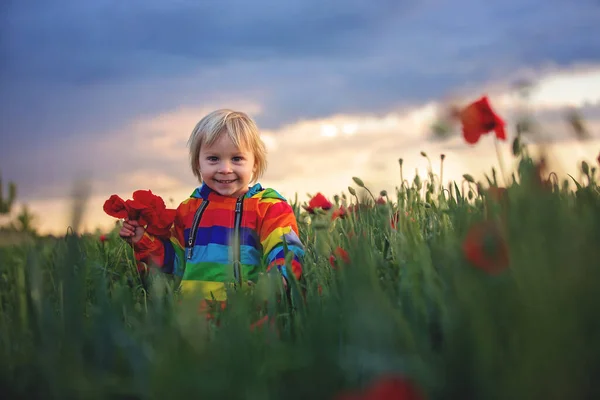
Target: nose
(224, 167)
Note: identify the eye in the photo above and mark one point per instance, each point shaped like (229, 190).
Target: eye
(212, 158)
(238, 159)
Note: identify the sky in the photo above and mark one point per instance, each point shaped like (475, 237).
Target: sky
(109, 91)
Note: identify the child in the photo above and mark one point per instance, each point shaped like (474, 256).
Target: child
(226, 232)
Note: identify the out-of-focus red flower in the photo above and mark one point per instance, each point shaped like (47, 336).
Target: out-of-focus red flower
(339, 213)
(103, 238)
(318, 201)
(339, 253)
(115, 207)
(396, 217)
(387, 388)
(394, 220)
(478, 118)
(259, 323)
(498, 194)
(209, 307)
(380, 201)
(485, 248)
(598, 159)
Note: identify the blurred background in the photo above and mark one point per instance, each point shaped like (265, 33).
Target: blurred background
(99, 97)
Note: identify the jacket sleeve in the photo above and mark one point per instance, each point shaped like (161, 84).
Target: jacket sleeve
(279, 225)
(165, 253)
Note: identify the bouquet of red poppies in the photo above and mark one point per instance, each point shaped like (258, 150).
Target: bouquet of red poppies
(146, 208)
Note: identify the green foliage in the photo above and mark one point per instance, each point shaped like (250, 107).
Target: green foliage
(77, 320)
(6, 203)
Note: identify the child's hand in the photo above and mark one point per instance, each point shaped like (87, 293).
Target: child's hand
(131, 231)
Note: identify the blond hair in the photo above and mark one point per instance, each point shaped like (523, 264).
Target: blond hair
(240, 128)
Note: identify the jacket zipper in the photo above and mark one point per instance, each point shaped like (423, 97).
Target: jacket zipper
(194, 228)
(237, 270)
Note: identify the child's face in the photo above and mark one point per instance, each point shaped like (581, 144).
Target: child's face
(226, 168)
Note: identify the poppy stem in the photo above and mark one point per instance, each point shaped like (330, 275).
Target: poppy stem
(500, 161)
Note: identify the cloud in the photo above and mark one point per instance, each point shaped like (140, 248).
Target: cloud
(101, 41)
(154, 146)
(83, 68)
(111, 91)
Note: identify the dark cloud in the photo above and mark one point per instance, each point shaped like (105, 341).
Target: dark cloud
(90, 42)
(73, 71)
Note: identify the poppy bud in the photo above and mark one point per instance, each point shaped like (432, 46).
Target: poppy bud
(358, 181)
(585, 168)
(417, 182)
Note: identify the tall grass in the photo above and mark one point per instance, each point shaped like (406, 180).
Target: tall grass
(77, 320)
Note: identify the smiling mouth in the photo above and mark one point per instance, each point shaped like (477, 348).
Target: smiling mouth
(226, 181)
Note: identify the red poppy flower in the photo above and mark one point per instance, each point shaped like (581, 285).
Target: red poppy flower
(149, 199)
(116, 207)
(396, 217)
(163, 217)
(339, 213)
(140, 212)
(162, 223)
(478, 118)
(394, 220)
(387, 388)
(339, 253)
(261, 322)
(381, 201)
(103, 238)
(146, 208)
(318, 201)
(485, 248)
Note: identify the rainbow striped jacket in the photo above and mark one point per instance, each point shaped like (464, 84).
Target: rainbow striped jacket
(218, 241)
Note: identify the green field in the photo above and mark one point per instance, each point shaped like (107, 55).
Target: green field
(460, 309)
